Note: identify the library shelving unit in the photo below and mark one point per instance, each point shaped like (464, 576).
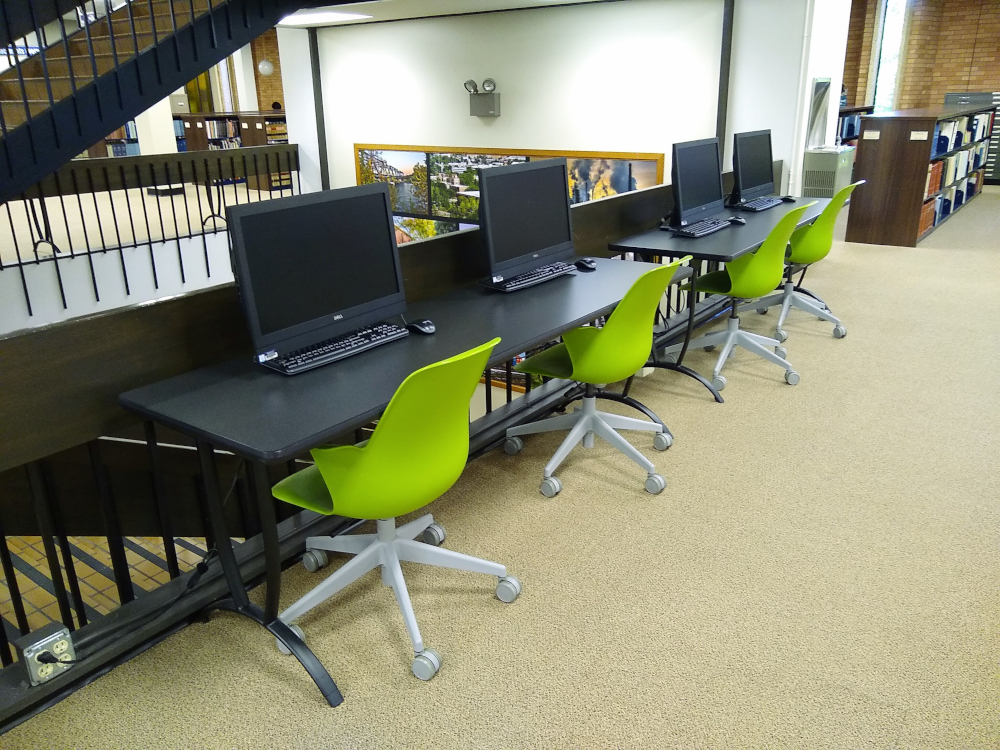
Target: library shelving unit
(262, 129)
(986, 99)
(207, 132)
(921, 166)
(122, 142)
(849, 122)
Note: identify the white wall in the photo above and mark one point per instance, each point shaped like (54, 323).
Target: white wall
(300, 103)
(246, 84)
(155, 130)
(779, 47)
(627, 76)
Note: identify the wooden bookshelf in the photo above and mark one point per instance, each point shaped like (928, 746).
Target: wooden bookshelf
(849, 122)
(896, 152)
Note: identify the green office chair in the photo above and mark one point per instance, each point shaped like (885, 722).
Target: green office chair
(748, 277)
(596, 356)
(417, 452)
(809, 244)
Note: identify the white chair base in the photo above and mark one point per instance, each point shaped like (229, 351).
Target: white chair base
(732, 337)
(385, 549)
(789, 298)
(583, 425)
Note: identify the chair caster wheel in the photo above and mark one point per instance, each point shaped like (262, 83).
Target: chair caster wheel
(513, 445)
(839, 332)
(791, 377)
(314, 559)
(709, 348)
(434, 535)
(426, 664)
(781, 352)
(662, 441)
(762, 310)
(780, 334)
(550, 487)
(655, 484)
(719, 382)
(508, 589)
(282, 647)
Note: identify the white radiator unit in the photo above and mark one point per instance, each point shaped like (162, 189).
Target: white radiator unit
(827, 170)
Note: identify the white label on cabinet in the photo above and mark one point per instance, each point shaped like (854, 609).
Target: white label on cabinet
(918, 135)
(187, 124)
(260, 126)
(245, 124)
(871, 135)
(201, 124)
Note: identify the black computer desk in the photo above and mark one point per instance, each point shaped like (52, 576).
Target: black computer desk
(722, 246)
(266, 417)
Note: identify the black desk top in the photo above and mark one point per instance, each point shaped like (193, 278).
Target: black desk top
(724, 245)
(264, 415)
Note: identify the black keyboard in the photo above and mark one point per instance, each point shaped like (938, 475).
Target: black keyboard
(701, 228)
(540, 274)
(760, 204)
(331, 350)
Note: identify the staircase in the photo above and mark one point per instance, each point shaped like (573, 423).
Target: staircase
(86, 82)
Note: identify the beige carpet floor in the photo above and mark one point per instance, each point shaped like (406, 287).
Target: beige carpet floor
(821, 571)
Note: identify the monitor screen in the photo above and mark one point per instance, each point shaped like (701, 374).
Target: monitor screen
(752, 164)
(524, 212)
(697, 177)
(316, 265)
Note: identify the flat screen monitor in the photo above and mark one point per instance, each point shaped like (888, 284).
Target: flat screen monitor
(696, 177)
(524, 216)
(312, 267)
(752, 169)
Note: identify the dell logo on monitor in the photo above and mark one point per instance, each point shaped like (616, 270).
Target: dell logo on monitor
(338, 317)
(535, 255)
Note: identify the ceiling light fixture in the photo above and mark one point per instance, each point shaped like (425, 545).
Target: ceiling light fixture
(320, 17)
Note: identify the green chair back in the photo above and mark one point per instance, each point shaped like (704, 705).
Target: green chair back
(814, 242)
(418, 449)
(622, 346)
(759, 273)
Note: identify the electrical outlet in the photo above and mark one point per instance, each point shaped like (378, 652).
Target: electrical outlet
(53, 638)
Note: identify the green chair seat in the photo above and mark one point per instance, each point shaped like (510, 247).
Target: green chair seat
(553, 362)
(716, 282)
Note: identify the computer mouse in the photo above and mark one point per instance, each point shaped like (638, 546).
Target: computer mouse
(424, 326)
(788, 198)
(737, 220)
(586, 264)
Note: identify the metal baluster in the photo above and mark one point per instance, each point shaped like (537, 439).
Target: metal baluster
(86, 239)
(135, 45)
(67, 551)
(194, 182)
(163, 231)
(97, 210)
(510, 379)
(211, 24)
(149, 234)
(173, 29)
(62, 207)
(12, 585)
(20, 265)
(173, 206)
(112, 528)
(114, 51)
(270, 177)
(93, 61)
(69, 69)
(489, 390)
(156, 41)
(160, 498)
(194, 35)
(246, 180)
(42, 57)
(128, 204)
(46, 527)
(17, 68)
(114, 219)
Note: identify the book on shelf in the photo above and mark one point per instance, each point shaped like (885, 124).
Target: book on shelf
(179, 128)
(927, 215)
(971, 186)
(959, 195)
(224, 144)
(935, 171)
(222, 128)
(182, 145)
(126, 132)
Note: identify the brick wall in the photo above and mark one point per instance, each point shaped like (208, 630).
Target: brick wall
(265, 47)
(952, 45)
(857, 63)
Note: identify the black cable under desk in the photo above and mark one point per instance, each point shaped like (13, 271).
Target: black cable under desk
(266, 417)
(722, 247)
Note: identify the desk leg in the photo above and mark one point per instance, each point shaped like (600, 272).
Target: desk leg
(239, 601)
(679, 366)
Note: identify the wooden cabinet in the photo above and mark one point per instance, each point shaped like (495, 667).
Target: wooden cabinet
(897, 152)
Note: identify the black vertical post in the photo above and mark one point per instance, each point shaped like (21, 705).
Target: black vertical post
(324, 167)
(46, 527)
(261, 485)
(510, 377)
(112, 529)
(223, 546)
(12, 586)
(160, 497)
(728, 9)
(64, 546)
(489, 391)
